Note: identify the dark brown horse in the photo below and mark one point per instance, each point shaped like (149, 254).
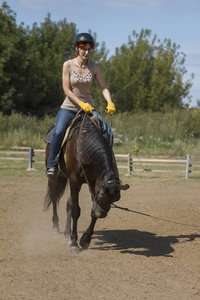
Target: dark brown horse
(86, 158)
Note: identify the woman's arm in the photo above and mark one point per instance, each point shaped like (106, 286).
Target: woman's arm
(110, 109)
(66, 83)
(99, 79)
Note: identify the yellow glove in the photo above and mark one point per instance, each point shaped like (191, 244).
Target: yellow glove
(110, 109)
(86, 107)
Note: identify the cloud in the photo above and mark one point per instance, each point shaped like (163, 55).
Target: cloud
(150, 4)
(41, 4)
(46, 4)
(123, 4)
(144, 4)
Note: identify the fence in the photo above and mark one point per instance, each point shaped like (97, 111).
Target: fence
(20, 154)
(166, 165)
(20, 151)
(124, 161)
(163, 165)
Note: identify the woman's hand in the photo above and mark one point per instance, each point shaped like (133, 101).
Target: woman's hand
(110, 109)
(86, 107)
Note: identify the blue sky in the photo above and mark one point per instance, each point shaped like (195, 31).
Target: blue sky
(114, 21)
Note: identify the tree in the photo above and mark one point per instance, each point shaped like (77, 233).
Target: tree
(99, 56)
(49, 46)
(31, 63)
(147, 74)
(12, 64)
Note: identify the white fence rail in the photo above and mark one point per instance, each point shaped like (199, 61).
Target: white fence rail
(17, 150)
(124, 161)
(151, 165)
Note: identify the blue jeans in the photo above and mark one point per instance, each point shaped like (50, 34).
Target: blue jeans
(63, 118)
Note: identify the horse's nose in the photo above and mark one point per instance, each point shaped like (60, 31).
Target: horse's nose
(99, 214)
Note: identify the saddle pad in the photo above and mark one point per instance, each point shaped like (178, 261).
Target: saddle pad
(49, 136)
(69, 133)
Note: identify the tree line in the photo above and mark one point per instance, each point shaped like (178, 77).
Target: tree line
(144, 74)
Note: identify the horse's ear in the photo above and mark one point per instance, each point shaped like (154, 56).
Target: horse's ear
(124, 187)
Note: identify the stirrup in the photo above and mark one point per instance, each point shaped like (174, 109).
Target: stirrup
(51, 171)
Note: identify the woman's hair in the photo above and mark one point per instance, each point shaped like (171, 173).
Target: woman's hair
(82, 45)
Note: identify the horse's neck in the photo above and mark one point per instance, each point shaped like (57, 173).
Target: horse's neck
(114, 164)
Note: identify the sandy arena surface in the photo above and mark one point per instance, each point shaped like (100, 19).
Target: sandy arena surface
(151, 251)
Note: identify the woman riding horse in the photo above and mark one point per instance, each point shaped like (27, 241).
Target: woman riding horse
(88, 154)
(86, 158)
(78, 74)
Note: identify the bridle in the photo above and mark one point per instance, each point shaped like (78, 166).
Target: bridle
(107, 182)
(94, 197)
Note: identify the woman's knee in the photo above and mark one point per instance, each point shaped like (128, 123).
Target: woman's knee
(59, 133)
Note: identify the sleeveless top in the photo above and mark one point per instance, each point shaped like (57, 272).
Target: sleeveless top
(80, 86)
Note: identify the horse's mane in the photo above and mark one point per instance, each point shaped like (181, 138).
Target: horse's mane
(96, 150)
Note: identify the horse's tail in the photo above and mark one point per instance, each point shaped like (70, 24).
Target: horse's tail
(55, 190)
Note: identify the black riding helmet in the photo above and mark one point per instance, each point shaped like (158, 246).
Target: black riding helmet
(83, 37)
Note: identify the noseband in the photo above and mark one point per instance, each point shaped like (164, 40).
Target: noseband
(94, 197)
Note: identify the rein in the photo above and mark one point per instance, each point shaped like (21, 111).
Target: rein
(111, 130)
(94, 197)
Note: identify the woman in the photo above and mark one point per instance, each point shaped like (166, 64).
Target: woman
(77, 78)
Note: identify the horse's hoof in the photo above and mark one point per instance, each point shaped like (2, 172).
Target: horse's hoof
(56, 230)
(84, 244)
(67, 240)
(74, 250)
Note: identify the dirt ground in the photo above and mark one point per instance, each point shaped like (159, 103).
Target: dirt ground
(151, 251)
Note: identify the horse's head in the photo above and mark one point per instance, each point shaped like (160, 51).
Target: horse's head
(105, 194)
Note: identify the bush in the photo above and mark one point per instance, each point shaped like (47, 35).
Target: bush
(174, 133)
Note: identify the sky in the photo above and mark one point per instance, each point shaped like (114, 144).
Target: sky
(114, 21)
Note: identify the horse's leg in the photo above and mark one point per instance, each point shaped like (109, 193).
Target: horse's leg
(86, 237)
(67, 231)
(55, 190)
(75, 214)
(55, 218)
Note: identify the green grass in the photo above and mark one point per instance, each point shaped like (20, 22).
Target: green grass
(19, 169)
(174, 133)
